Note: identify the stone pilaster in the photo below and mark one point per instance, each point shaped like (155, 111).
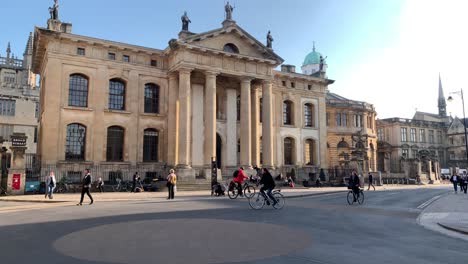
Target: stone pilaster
(255, 122)
(210, 117)
(267, 124)
(245, 124)
(184, 118)
(173, 121)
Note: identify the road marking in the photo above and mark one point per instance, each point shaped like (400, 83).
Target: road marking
(428, 202)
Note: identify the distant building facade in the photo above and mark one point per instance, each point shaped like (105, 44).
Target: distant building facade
(212, 94)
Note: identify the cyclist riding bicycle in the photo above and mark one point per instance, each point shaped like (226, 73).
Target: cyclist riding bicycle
(239, 179)
(355, 183)
(268, 185)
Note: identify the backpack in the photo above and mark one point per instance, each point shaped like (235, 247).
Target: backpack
(234, 175)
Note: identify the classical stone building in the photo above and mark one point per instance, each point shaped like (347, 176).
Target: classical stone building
(456, 144)
(19, 102)
(352, 138)
(414, 146)
(120, 107)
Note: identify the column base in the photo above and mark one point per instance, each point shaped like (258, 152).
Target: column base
(185, 173)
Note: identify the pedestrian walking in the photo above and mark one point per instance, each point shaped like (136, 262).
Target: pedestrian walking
(463, 182)
(454, 180)
(371, 181)
(50, 185)
(86, 187)
(136, 178)
(171, 183)
(100, 185)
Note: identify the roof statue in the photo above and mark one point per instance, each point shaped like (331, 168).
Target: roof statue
(228, 8)
(269, 40)
(322, 62)
(185, 22)
(54, 11)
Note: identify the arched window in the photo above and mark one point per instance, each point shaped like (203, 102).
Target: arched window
(287, 112)
(78, 90)
(75, 142)
(150, 145)
(238, 107)
(342, 144)
(115, 142)
(288, 151)
(151, 98)
(308, 115)
(309, 152)
(116, 94)
(231, 48)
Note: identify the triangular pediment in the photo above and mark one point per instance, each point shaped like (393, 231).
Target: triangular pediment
(456, 126)
(247, 45)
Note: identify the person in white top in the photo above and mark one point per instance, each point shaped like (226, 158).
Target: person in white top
(50, 185)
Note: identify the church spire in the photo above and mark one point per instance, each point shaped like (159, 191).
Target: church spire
(442, 104)
(8, 50)
(29, 46)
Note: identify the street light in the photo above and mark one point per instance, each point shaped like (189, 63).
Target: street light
(450, 98)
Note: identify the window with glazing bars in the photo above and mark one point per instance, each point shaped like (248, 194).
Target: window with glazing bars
(116, 95)
(308, 115)
(115, 142)
(151, 98)
(75, 142)
(7, 107)
(287, 113)
(150, 145)
(78, 91)
(288, 151)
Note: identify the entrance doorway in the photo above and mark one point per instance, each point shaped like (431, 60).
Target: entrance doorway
(219, 145)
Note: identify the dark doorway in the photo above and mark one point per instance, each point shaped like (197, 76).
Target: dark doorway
(219, 146)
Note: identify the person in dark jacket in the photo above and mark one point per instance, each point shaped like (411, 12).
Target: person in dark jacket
(371, 181)
(86, 187)
(136, 178)
(454, 180)
(268, 185)
(354, 184)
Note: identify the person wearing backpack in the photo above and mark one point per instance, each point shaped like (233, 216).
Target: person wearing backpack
(171, 183)
(50, 185)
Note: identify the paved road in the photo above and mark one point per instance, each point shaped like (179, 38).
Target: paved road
(320, 229)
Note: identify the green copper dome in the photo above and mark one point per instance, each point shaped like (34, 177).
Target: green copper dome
(312, 58)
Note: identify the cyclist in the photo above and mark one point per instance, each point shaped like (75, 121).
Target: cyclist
(239, 179)
(355, 183)
(268, 185)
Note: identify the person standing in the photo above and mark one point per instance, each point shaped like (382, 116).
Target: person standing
(86, 187)
(50, 185)
(454, 181)
(100, 185)
(171, 183)
(463, 182)
(371, 181)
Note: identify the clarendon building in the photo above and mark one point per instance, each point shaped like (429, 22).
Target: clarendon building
(19, 104)
(117, 108)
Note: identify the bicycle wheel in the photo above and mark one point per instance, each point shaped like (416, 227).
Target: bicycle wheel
(350, 197)
(280, 201)
(249, 191)
(233, 193)
(360, 199)
(257, 202)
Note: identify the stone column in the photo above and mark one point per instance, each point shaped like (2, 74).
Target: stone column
(173, 121)
(210, 117)
(231, 128)
(184, 119)
(245, 124)
(255, 122)
(267, 124)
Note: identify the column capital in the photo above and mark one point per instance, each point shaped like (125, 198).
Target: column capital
(173, 75)
(267, 81)
(211, 73)
(185, 70)
(246, 79)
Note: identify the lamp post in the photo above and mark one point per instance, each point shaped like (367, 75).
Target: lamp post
(450, 98)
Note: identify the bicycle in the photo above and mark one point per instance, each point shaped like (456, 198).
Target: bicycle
(247, 189)
(257, 202)
(352, 197)
(121, 186)
(3, 192)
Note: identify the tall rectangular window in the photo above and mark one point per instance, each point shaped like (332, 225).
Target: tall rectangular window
(80, 51)
(413, 135)
(344, 119)
(7, 107)
(431, 136)
(403, 132)
(36, 112)
(35, 134)
(439, 137)
(414, 153)
(111, 56)
(422, 135)
(327, 118)
(126, 58)
(405, 153)
(380, 134)
(338, 119)
(358, 120)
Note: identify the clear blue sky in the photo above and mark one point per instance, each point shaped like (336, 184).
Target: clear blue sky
(377, 50)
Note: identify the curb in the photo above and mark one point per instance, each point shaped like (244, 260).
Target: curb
(453, 229)
(31, 201)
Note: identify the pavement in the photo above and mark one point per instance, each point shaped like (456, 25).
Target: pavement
(447, 214)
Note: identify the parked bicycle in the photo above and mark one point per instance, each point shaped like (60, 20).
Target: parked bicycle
(122, 186)
(247, 189)
(3, 192)
(62, 186)
(260, 199)
(352, 197)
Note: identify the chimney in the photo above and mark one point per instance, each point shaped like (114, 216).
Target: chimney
(288, 68)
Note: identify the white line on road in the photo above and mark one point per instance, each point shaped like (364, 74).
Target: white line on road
(428, 202)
